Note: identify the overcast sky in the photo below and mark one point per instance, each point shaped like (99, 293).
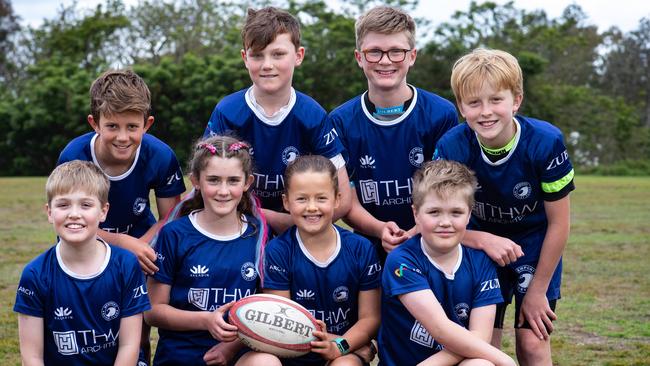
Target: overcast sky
(605, 13)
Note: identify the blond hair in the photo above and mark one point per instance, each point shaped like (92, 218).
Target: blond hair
(77, 175)
(444, 178)
(385, 20)
(119, 91)
(264, 25)
(497, 68)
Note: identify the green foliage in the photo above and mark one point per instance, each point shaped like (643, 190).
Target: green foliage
(640, 167)
(188, 52)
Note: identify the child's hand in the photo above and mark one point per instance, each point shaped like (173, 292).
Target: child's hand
(367, 352)
(392, 236)
(536, 310)
(217, 325)
(501, 250)
(324, 346)
(220, 354)
(146, 255)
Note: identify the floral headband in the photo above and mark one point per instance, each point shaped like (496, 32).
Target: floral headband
(235, 146)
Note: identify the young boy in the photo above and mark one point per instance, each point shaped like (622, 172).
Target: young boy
(389, 130)
(525, 178)
(134, 161)
(278, 121)
(80, 302)
(438, 296)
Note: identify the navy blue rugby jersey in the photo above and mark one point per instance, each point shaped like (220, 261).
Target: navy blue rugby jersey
(204, 271)
(409, 268)
(511, 193)
(329, 290)
(155, 167)
(305, 130)
(82, 314)
(383, 155)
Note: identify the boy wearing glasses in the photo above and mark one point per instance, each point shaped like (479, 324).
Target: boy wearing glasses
(389, 130)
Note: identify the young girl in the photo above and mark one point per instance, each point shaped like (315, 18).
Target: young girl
(207, 260)
(332, 272)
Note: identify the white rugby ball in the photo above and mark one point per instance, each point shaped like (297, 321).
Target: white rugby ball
(274, 324)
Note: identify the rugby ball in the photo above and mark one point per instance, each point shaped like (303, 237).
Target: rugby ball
(274, 324)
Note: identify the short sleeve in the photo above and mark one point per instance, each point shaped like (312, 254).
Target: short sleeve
(170, 184)
(402, 274)
(371, 266)
(487, 290)
(166, 249)
(277, 266)
(216, 125)
(558, 171)
(134, 295)
(325, 139)
(29, 298)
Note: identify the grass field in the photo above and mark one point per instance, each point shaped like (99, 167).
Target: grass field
(604, 316)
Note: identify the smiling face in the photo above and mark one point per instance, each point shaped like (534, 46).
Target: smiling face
(222, 184)
(311, 200)
(489, 112)
(119, 136)
(385, 75)
(76, 216)
(442, 221)
(271, 69)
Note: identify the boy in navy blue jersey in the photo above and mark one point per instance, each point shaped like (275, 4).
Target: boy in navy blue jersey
(438, 297)
(525, 178)
(80, 302)
(134, 161)
(280, 122)
(388, 131)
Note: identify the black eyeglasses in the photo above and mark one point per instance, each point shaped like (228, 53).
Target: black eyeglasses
(394, 55)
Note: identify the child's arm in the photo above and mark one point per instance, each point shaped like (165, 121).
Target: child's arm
(146, 255)
(31, 336)
(166, 316)
(279, 221)
(345, 200)
(424, 306)
(361, 220)
(359, 334)
(535, 308)
(129, 340)
(501, 250)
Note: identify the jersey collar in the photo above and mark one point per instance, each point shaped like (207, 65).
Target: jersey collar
(487, 160)
(73, 274)
(456, 266)
(314, 260)
(396, 120)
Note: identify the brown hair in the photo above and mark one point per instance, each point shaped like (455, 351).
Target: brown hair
(77, 175)
(264, 25)
(119, 91)
(495, 67)
(444, 178)
(311, 163)
(385, 20)
(224, 147)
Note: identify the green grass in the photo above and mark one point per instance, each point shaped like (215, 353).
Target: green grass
(604, 315)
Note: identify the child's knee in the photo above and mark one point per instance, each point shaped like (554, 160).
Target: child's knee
(475, 362)
(258, 358)
(347, 360)
(530, 349)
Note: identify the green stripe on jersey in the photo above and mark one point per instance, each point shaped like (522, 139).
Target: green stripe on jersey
(558, 184)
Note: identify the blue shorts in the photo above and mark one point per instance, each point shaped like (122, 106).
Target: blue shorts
(514, 280)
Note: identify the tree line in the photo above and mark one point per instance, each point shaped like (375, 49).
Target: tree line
(595, 86)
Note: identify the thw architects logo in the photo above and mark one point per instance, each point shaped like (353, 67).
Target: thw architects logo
(199, 271)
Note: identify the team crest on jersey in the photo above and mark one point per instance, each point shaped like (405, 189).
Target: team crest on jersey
(110, 311)
(139, 205)
(416, 157)
(367, 161)
(341, 294)
(289, 154)
(199, 297)
(462, 311)
(62, 313)
(526, 273)
(522, 190)
(142, 363)
(248, 271)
